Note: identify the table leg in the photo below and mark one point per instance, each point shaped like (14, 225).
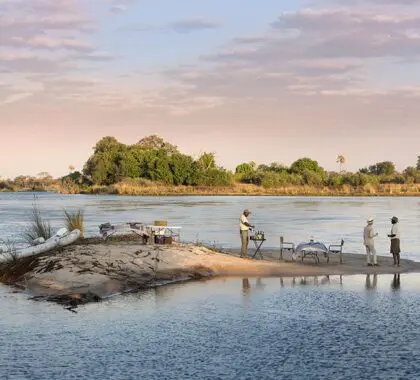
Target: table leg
(258, 249)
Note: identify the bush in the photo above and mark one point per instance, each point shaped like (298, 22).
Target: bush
(255, 178)
(215, 177)
(313, 178)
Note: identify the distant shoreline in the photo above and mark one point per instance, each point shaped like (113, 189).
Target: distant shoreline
(236, 190)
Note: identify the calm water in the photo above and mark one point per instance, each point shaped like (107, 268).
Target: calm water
(222, 329)
(215, 219)
(356, 327)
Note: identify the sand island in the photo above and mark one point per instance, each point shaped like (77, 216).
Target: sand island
(92, 270)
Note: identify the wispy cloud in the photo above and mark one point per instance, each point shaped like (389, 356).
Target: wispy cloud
(181, 26)
(192, 25)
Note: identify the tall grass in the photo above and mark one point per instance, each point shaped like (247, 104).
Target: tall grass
(75, 221)
(37, 227)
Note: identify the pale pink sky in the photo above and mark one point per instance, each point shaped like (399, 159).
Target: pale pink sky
(270, 83)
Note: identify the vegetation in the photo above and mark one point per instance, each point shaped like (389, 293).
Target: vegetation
(75, 221)
(155, 167)
(37, 227)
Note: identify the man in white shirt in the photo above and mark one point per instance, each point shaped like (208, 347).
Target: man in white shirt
(244, 227)
(368, 240)
(395, 241)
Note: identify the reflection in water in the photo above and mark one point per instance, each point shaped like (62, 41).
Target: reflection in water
(293, 281)
(371, 284)
(259, 284)
(246, 287)
(395, 284)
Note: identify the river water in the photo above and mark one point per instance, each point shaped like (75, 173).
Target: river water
(306, 328)
(354, 327)
(215, 220)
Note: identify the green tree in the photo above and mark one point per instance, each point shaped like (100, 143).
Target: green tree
(102, 166)
(274, 167)
(304, 164)
(127, 165)
(410, 171)
(246, 168)
(183, 169)
(207, 161)
(107, 144)
(382, 168)
(158, 143)
(341, 160)
(418, 163)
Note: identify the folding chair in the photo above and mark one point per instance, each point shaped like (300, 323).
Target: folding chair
(286, 247)
(337, 249)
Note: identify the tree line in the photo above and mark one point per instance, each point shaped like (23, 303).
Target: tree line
(156, 160)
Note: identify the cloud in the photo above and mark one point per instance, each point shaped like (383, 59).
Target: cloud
(21, 62)
(192, 25)
(15, 98)
(181, 26)
(117, 8)
(44, 42)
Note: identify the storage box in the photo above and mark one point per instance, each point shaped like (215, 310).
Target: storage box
(161, 223)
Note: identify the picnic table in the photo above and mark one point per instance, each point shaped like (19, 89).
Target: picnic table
(258, 242)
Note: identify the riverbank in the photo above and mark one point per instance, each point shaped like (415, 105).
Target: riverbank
(149, 188)
(94, 270)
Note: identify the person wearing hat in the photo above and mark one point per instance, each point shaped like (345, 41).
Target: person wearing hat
(244, 227)
(368, 240)
(395, 241)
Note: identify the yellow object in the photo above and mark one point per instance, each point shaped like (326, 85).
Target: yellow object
(162, 223)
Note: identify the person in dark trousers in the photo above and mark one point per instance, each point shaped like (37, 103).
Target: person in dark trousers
(395, 241)
(244, 227)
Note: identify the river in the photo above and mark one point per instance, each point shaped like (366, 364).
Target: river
(215, 220)
(237, 328)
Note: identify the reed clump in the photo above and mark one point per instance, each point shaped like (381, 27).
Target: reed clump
(37, 227)
(75, 220)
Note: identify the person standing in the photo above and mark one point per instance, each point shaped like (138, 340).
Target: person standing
(368, 240)
(244, 227)
(395, 240)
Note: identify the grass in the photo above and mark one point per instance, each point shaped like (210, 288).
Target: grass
(144, 187)
(37, 227)
(75, 221)
(156, 189)
(10, 249)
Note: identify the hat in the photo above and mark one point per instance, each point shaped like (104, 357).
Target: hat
(394, 219)
(370, 219)
(246, 211)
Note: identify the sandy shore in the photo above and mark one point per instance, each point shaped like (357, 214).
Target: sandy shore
(90, 272)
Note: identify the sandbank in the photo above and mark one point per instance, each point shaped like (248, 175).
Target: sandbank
(94, 270)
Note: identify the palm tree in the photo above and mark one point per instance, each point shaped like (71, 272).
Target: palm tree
(341, 160)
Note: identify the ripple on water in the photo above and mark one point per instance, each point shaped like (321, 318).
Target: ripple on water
(223, 328)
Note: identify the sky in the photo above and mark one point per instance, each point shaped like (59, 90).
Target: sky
(249, 80)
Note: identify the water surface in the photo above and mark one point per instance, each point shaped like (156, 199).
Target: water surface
(356, 327)
(214, 220)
